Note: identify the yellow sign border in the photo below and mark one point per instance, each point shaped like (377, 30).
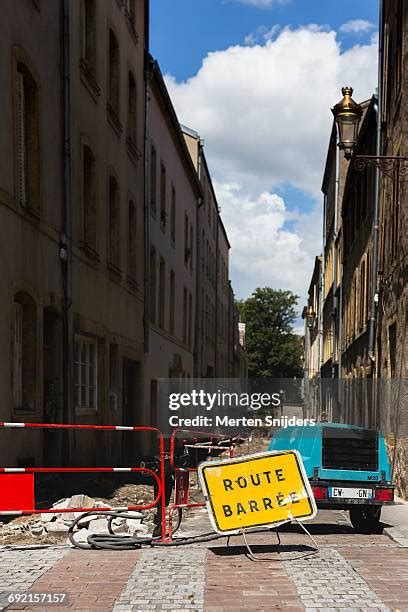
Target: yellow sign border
(305, 481)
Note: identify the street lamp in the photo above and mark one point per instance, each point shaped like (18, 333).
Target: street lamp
(310, 317)
(347, 114)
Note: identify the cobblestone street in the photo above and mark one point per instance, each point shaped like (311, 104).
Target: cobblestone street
(350, 572)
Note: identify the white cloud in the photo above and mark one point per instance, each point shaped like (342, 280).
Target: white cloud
(354, 26)
(262, 3)
(262, 34)
(264, 113)
(265, 252)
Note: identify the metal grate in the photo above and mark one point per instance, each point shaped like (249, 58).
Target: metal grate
(350, 449)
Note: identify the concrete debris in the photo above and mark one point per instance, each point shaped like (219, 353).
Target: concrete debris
(57, 527)
(37, 530)
(56, 524)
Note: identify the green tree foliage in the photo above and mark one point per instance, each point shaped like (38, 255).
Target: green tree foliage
(274, 350)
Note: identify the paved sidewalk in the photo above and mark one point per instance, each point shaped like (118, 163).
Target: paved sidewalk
(350, 572)
(397, 517)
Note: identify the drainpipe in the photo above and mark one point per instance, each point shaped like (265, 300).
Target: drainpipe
(322, 300)
(216, 296)
(336, 254)
(374, 294)
(65, 249)
(337, 301)
(198, 268)
(147, 76)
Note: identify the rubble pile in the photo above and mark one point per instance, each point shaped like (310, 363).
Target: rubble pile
(55, 525)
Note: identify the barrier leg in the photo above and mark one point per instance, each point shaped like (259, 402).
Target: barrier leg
(163, 495)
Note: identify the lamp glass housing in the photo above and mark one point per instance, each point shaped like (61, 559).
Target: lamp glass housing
(347, 114)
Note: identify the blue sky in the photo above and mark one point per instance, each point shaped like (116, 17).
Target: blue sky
(256, 79)
(184, 31)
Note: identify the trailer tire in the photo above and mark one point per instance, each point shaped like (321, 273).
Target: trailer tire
(366, 519)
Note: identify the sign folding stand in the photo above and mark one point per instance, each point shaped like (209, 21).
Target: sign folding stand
(313, 552)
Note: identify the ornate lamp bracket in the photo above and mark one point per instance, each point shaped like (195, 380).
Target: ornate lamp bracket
(394, 167)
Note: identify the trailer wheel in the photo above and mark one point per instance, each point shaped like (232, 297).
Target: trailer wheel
(366, 519)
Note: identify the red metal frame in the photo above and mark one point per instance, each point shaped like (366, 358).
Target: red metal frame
(160, 480)
(192, 435)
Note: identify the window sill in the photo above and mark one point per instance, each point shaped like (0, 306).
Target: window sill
(113, 119)
(85, 412)
(24, 410)
(133, 152)
(132, 284)
(88, 79)
(131, 27)
(114, 268)
(34, 212)
(89, 251)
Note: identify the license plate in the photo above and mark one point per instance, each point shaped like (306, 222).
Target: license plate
(348, 493)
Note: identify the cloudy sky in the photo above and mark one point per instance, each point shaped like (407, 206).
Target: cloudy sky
(256, 79)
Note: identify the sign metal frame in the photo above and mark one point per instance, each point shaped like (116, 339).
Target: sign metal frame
(249, 458)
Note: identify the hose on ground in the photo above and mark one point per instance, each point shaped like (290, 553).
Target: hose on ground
(112, 540)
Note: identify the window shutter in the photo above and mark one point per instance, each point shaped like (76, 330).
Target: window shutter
(21, 141)
(18, 355)
(385, 74)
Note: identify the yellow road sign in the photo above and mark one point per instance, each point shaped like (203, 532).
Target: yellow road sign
(262, 489)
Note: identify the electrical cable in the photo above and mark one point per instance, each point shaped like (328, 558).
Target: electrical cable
(113, 541)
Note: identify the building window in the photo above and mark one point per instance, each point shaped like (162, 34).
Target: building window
(162, 291)
(132, 240)
(185, 315)
(202, 249)
(362, 316)
(132, 108)
(392, 336)
(394, 220)
(163, 212)
(191, 247)
(186, 247)
(172, 299)
(88, 42)
(24, 353)
(399, 37)
(190, 319)
(153, 180)
(152, 282)
(113, 85)
(28, 139)
(85, 373)
(89, 199)
(173, 215)
(114, 223)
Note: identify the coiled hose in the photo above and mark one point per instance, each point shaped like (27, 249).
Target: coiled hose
(114, 541)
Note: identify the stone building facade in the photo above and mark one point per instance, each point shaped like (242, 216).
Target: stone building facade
(174, 194)
(329, 322)
(357, 259)
(312, 343)
(392, 314)
(373, 291)
(85, 331)
(72, 198)
(214, 340)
